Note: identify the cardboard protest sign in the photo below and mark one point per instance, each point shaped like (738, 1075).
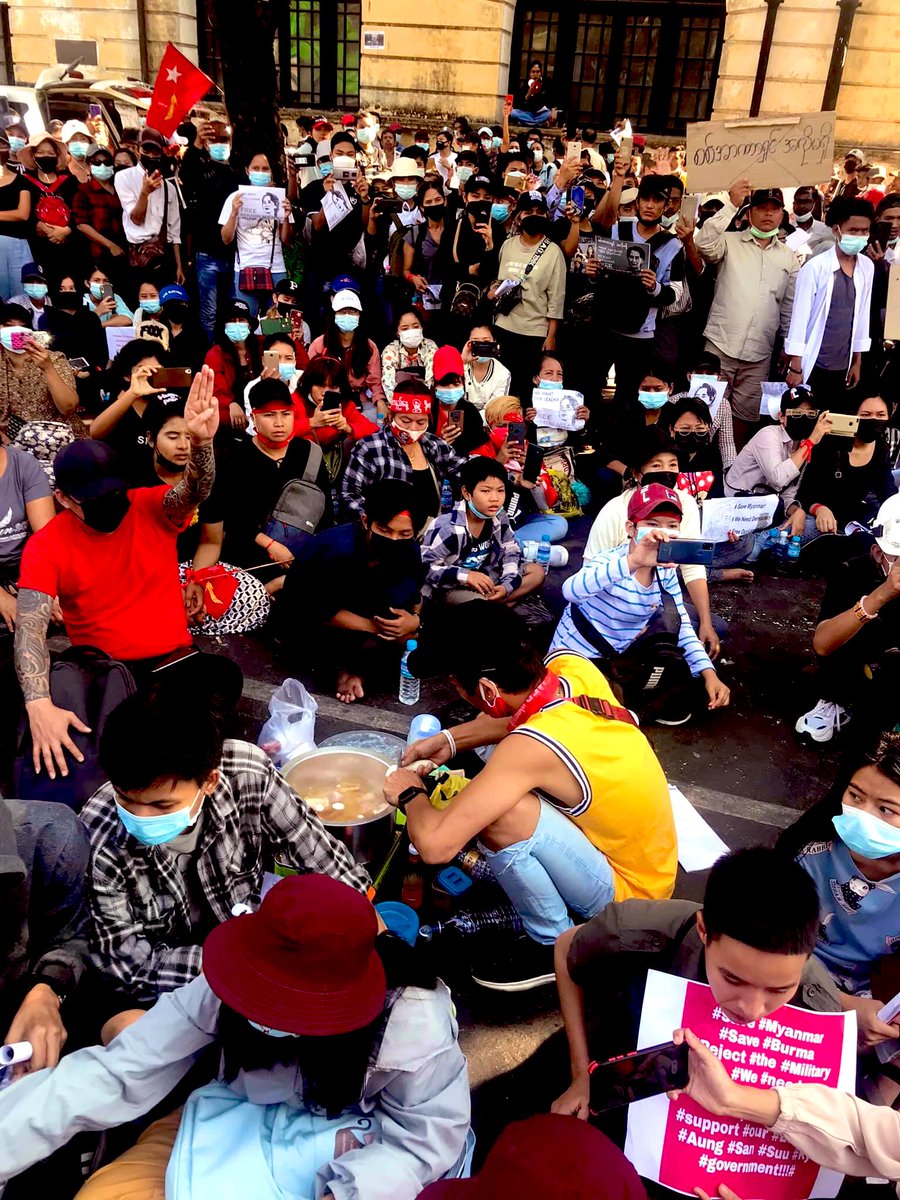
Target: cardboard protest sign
(737, 514)
(892, 312)
(772, 152)
(681, 1146)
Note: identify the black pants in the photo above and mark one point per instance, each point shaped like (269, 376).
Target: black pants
(829, 388)
(522, 355)
(632, 358)
(210, 679)
(871, 689)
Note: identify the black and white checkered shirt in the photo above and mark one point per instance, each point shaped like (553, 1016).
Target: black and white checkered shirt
(141, 935)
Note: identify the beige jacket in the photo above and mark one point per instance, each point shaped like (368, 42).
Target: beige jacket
(840, 1131)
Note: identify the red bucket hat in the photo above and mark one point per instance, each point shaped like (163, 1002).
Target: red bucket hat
(305, 963)
(548, 1157)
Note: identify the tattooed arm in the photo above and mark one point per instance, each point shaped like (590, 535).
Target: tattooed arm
(49, 724)
(201, 414)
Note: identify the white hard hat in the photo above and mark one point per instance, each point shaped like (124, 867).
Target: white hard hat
(889, 520)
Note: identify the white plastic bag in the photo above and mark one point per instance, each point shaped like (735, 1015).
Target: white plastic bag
(291, 727)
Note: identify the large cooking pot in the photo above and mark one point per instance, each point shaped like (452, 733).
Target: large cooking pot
(343, 787)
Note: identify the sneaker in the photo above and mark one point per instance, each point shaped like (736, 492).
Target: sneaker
(823, 722)
(534, 612)
(521, 966)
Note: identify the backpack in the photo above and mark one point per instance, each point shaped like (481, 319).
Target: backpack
(299, 508)
(51, 209)
(91, 684)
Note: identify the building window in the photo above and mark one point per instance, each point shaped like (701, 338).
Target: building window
(208, 56)
(319, 52)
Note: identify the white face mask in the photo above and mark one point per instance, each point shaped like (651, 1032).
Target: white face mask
(411, 338)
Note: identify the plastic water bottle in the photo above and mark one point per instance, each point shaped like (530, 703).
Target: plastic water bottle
(544, 552)
(446, 496)
(793, 550)
(782, 546)
(409, 685)
(772, 541)
(531, 552)
(503, 917)
(423, 725)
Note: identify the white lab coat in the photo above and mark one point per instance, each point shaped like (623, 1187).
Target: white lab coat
(812, 300)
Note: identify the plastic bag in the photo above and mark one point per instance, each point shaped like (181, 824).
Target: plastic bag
(291, 727)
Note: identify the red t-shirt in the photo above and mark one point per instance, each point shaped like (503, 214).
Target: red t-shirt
(118, 591)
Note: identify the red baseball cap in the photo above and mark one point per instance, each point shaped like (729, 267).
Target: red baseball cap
(650, 499)
(305, 963)
(447, 361)
(548, 1157)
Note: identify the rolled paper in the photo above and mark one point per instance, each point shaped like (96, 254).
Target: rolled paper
(15, 1052)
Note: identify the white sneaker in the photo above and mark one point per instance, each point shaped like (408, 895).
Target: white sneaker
(823, 722)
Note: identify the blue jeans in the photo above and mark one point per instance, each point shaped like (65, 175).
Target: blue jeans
(533, 528)
(556, 869)
(257, 300)
(214, 284)
(522, 117)
(14, 254)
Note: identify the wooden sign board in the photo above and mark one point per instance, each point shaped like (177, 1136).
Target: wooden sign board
(780, 152)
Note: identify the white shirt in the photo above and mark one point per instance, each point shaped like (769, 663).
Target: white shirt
(496, 383)
(25, 302)
(812, 300)
(128, 185)
(255, 239)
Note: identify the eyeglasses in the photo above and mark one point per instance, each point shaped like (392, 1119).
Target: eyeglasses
(802, 412)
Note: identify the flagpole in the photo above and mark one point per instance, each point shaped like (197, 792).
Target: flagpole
(141, 12)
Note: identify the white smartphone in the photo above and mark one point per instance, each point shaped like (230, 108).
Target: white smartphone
(690, 206)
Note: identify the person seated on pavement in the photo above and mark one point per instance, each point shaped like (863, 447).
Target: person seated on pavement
(625, 611)
(571, 810)
(845, 474)
(529, 504)
(337, 425)
(773, 459)
(111, 558)
(338, 1067)
(26, 502)
(849, 845)
(752, 941)
(120, 423)
(856, 654)
(470, 552)
(188, 826)
(453, 409)
(37, 385)
(708, 367)
(43, 868)
(699, 460)
(654, 459)
(351, 598)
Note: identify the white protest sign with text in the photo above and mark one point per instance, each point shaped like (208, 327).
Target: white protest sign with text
(117, 337)
(773, 152)
(737, 514)
(555, 408)
(682, 1146)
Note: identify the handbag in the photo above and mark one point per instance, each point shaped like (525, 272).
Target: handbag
(153, 251)
(51, 209)
(513, 297)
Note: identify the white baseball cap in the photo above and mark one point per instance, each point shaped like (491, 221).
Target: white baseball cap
(345, 299)
(889, 520)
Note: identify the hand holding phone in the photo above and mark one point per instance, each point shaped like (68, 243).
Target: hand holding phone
(331, 401)
(515, 432)
(686, 552)
(638, 1076)
(534, 460)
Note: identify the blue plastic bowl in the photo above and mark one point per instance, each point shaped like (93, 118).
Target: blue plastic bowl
(400, 919)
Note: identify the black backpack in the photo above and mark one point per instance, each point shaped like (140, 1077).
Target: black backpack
(90, 684)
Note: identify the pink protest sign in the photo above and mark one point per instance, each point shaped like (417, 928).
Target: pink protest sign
(681, 1146)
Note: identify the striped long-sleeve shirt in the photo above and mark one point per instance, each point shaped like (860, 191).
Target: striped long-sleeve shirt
(620, 608)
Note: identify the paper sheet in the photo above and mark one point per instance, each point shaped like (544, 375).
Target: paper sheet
(555, 409)
(711, 390)
(117, 337)
(336, 207)
(770, 398)
(797, 240)
(699, 846)
(737, 514)
(10, 1054)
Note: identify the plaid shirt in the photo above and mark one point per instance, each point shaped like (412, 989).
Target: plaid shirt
(141, 936)
(446, 543)
(380, 456)
(93, 205)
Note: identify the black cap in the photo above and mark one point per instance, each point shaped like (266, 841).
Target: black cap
(707, 364)
(655, 187)
(287, 287)
(475, 638)
(237, 310)
(86, 469)
(531, 200)
(767, 196)
(33, 270)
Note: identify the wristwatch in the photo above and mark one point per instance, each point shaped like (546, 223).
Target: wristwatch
(409, 794)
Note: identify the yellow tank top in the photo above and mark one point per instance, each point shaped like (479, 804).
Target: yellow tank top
(625, 808)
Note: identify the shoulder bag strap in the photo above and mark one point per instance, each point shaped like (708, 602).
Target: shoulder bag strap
(603, 708)
(536, 257)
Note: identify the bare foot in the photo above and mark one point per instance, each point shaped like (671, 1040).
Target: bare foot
(736, 575)
(349, 687)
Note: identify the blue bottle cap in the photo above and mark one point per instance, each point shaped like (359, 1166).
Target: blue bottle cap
(454, 881)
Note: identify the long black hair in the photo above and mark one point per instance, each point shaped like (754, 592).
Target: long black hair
(333, 1068)
(360, 351)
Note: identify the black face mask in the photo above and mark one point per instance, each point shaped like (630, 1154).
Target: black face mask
(68, 301)
(392, 553)
(151, 164)
(106, 513)
(176, 310)
(166, 464)
(666, 478)
(46, 163)
(799, 427)
(534, 224)
(284, 310)
(435, 212)
(691, 441)
(870, 429)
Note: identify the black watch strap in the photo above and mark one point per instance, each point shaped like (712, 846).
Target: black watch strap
(408, 794)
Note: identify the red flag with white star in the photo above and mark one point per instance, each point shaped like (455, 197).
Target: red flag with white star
(179, 85)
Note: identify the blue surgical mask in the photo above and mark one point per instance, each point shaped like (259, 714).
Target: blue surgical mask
(150, 306)
(347, 322)
(550, 385)
(325, 169)
(260, 178)
(866, 834)
(449, 396)
(464, 173)
(270, 1032)
(35, 291)
(15, 143)
(853, 245)
(95, 290)
(287, 371)
(482, 358)
(496, 142)
(78, 149)
(219, 151)
(102, 171)
(500, 212)
(653, 399)
(237, 331)
(475, 513)
(153, 831)
(405, 191)
(366, 135)
(423, 146)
